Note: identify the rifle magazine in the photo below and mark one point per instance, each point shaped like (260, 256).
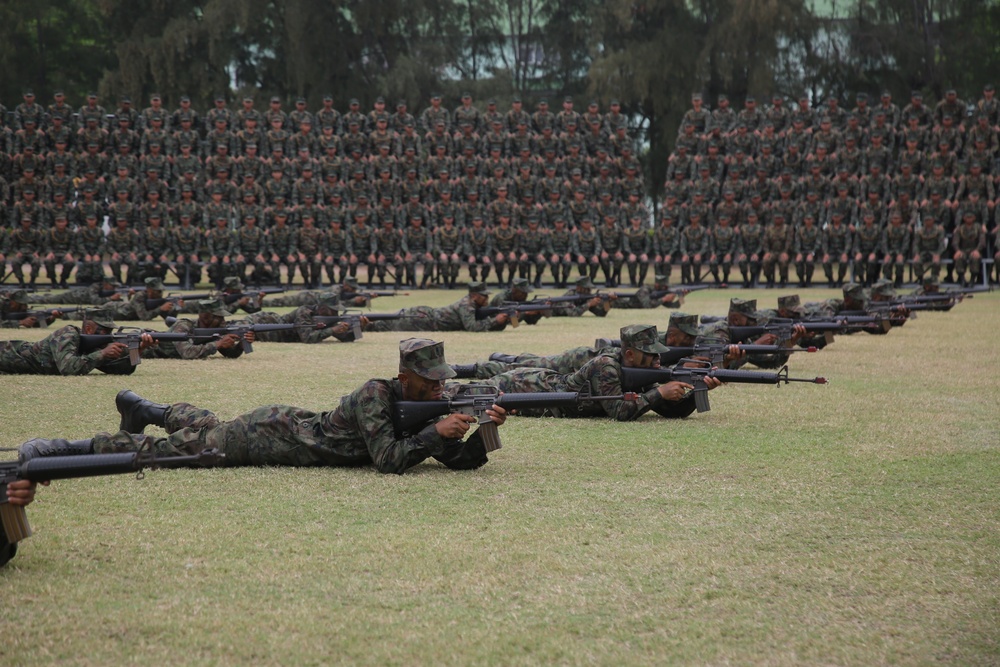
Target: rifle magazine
(490, 435)
(14, 520)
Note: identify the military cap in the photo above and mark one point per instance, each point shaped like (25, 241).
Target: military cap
(478, 287)
(854, 291)
(791, 302)
(517, 99)
(425, 358)
(18, 296)
(929, 281)
(584, 281)
(232, 283)
(642, 337)
(521, 284)
(684, 323)
(883, 288)
(212, 307)
(154, 283)
(101, 317)
(352, 282)
(746, 307)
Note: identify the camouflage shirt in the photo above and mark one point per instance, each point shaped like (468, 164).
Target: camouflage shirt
(57, 354)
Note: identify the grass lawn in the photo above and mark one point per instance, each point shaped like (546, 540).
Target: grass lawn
(852, 524)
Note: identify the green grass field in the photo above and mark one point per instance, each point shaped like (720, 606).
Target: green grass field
(853, 524)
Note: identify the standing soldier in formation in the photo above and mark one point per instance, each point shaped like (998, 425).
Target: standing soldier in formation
(250, 249)
(807, 247)
(777, 250)
(388, 253)
(666, 244)
(969, 243)
(836, 248)
(418, 248)
(336, 260)
(186, 245)
(612, 251)
(154, 248)
(309, 249)
(122, 245)
(219, 246)
(89, 249)
(531, 250)
(867, 250)
(585, 247)
(752, 248)
(724, 246)
(694, 247)
(637, 244)
(362, 245)
(928, 245)
(505, 248)
(59, 243)
(477, 249)
(447, 247)
(896, 244)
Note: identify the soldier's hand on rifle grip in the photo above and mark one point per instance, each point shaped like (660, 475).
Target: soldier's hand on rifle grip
(503, 318)
(227, 341)
(29, 322)
(250, 337)
(674, 391)
(454, 426)
(114, 351)
(22, 492)
(767, 339)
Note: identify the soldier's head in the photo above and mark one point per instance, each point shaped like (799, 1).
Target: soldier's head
(154, 287)
(742, 312)
(854, 296)
(883, 291)
(97, 321)
(583, 285)
(791, 306)
(211, 313)
(423, 369)
(519, 289)
(641, 346)
(682, 330)
(478, 293)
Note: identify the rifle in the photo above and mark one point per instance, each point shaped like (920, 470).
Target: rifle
(409, 417)
(42, 313)
(240, 330)
(368, 295)
(575, 299)
(153, 304)
(131, 336)
(636, 379)
(656, 295)
(715, 351)
(14, 519)
(354, 319)
(783, 330)
(512, 310)
(236, 296)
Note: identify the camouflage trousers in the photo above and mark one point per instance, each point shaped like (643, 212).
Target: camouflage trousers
(418, 318)
(269, 435)
(564, 363)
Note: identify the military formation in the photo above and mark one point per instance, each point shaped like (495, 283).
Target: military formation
(876, 191)
(280, 195)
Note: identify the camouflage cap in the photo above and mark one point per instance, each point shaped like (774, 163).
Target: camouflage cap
(883, 288)
(685, 323)
(425, 358)
(854, 291)
(929, 281)
(521, 284)
(661, 279)
(232, 283)
(352, 282)
(329, 300)
(154, 283)
(791, 302)
(18, 296)
(212, 307)
(746, 307)
(585, 281)
(478, 287)
(642, 337)
(101, 317)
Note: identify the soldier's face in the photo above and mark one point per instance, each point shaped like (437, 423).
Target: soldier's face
(416, 388)
(677, 338)
(633, 358)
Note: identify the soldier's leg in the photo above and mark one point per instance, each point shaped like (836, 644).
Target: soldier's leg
(618, 264)
(828, 270)
(745, 271)
(50, 271)
(769, 269)
(842, 268)
(643, 270)
(713, 268)
(686, 272)
(935, 268)
(608, 271)
(783, 271)
(540, 265)
(726, 268)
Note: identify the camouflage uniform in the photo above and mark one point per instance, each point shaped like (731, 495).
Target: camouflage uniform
(694, 248)
(867, 241)
(459, 316)
(723, 241)
(358, 432)
(388, 253)
(807, 244)
(968, 238)
(666, 245)
(928, 243)
(477, 250)
(57, 354)
(123, 241)
(777, 250)
(896, 243)
(447, 248)
(305, 332)
(187, 245)
(836, 242)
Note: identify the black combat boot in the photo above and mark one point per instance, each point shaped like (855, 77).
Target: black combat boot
(504, 358)
(58, 447)
(138, 413)
(464, 371)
